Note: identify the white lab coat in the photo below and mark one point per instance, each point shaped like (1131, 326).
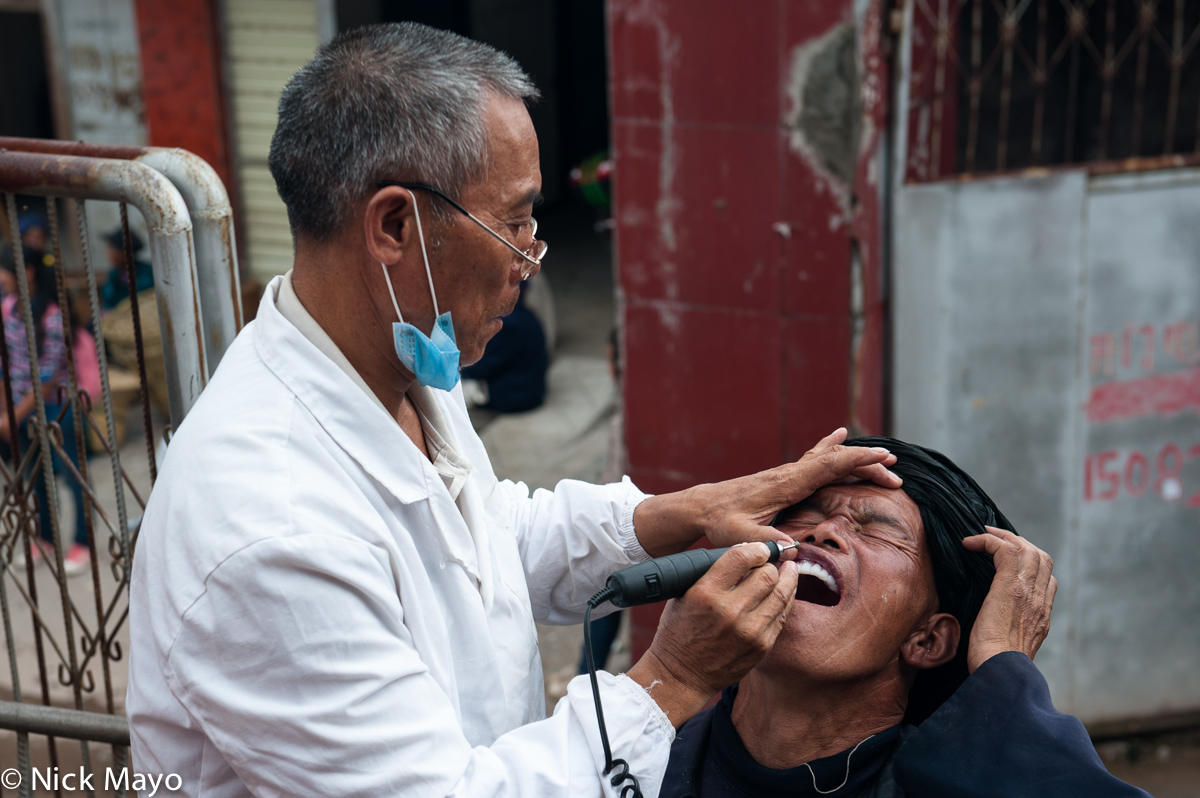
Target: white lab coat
(313, 613)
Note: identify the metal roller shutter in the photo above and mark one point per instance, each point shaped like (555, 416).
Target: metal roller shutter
(267, 41)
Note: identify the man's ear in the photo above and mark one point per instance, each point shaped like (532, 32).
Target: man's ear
(933, 643)
(388, 223)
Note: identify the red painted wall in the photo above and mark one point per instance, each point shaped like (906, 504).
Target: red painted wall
(734, 250)
(181, 80)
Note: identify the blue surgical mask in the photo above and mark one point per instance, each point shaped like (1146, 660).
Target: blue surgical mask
(433, 359)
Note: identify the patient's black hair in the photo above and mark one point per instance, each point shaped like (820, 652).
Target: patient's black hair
(953, 507)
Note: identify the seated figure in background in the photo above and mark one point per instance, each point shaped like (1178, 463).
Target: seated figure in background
(900, 671)
(512, 371)
(116, 284)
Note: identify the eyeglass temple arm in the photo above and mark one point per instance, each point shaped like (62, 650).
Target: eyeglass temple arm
(423, 187)
(460, 209)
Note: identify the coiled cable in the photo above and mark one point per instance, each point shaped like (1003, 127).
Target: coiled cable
(632, 789)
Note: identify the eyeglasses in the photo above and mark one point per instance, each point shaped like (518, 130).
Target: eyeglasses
(532, 255)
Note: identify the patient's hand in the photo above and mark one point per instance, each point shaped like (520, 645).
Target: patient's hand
(1016, 612)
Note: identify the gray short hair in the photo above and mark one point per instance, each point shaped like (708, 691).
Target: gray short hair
(398, 101)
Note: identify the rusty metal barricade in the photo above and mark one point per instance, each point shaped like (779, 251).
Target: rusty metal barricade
(212, 223)
(191, 244)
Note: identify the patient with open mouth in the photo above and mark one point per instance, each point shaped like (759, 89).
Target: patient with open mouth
(905, 665)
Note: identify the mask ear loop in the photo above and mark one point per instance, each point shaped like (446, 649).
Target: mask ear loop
(388, 279)
(428, 273)
(424, 254)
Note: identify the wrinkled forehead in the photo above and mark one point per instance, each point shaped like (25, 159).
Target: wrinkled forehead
(864, 502)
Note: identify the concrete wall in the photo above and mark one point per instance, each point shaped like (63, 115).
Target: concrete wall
(1046, 338)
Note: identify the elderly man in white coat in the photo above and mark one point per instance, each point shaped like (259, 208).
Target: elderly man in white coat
(333, 594)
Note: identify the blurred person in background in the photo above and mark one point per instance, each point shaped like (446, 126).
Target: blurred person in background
(118, 328)
(33, 227)
(116, 285)
(512, 372)
(53, 351)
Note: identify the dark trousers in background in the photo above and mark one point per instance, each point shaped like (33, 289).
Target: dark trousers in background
(39, 484)
(604, 634)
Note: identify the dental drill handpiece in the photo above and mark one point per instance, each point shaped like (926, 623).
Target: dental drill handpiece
(670, 577)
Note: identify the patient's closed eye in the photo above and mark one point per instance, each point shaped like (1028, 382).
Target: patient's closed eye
(802, 517)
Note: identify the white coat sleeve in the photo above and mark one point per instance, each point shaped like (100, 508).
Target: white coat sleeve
(296, 663)
(571, 540)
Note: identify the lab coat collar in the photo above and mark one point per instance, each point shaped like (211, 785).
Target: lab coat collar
(353, 421)
(451, 466)
(364, 430)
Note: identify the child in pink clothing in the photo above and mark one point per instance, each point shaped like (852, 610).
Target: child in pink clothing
(52, 353)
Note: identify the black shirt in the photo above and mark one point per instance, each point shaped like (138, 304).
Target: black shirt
(998, 736)
(730, 770)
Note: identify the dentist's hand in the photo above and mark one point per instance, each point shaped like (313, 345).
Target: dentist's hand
(719, 630)
(741, 510)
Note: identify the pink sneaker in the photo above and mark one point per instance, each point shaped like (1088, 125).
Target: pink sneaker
(19, 554)
(77, 560)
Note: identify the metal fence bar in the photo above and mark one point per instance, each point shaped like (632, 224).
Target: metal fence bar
(73, 723)
(22, 737)
(216, 250)
(71, 397)
(114, 454)
(1108, 73)
(1040, 80)
(171, 248)
(212, 220)
(135, 310)
(976, 83)
(1145, 20)
(73, 678)
(1086, 73)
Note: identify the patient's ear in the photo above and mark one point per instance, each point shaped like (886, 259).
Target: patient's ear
(933, 643)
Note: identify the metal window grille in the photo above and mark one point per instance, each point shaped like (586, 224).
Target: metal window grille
(68, 686)
(1004, 85)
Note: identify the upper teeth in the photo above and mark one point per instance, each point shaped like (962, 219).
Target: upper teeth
(812, 569)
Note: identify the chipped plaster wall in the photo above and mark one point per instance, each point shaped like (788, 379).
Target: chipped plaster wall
(824, 123)
(747, 232)
(833, 105)
(824, 120)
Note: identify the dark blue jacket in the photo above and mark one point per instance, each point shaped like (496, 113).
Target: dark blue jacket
(514, 364)
(998, 736)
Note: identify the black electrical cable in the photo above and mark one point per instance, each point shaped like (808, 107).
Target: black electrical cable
(632, 790)
(647, 582)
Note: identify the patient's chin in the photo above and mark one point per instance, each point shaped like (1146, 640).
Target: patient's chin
(812, 590)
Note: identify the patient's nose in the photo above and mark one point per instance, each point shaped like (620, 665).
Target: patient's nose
(826, 535)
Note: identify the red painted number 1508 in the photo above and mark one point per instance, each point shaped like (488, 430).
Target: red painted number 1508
(1104, 474)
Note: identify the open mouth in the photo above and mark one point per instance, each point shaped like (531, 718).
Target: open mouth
(816, 585)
